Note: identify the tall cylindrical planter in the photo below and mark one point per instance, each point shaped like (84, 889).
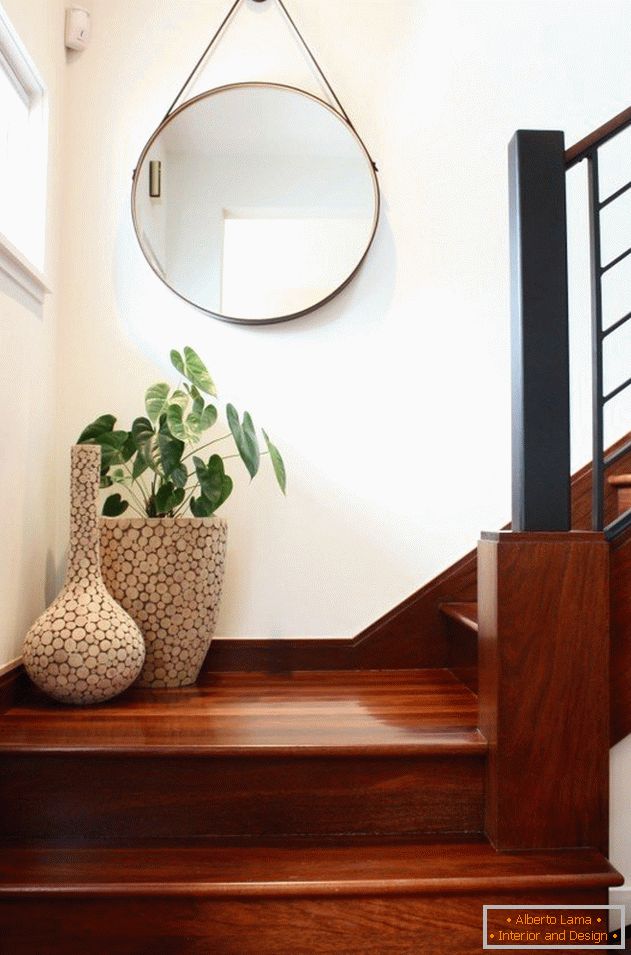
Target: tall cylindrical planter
(84, 648)
(168, 575)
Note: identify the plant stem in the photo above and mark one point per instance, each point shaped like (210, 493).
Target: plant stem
(203, 446)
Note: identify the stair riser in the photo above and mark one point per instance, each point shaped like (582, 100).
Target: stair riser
(387, 925)
(89, 800)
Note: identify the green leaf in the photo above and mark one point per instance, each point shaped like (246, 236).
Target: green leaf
(175, 421)
(210, 477)
(277, 463)
(192, 426)
(226, 489)
(114, 505)
(200, 507)
(177, 361)
(168, 498)
(251, 441)
(139, 467)
(180, 398)
(145, 440)
(105, 481)
(245, 439)
(112, 444)
(179, 476)
(196, 372)
(171, 449)
(156, 398)
(98, 427)
(207, 417)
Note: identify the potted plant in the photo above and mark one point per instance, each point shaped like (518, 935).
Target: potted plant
(163, 561)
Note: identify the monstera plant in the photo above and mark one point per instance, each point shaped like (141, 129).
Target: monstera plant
(160, 465)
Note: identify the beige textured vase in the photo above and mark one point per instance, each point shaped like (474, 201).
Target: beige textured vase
(168, 574)
(84, 648)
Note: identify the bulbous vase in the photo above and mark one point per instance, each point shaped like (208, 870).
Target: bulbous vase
(84, 648)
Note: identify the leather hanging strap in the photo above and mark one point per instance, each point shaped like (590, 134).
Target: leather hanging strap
(292, 23)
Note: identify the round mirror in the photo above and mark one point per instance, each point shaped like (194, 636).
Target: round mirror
(255, 202)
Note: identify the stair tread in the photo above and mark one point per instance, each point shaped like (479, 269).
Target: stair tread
(464, 612)
(386, 712)
(426, 866)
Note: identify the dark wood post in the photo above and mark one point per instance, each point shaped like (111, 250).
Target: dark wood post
(543, 605)
(540, 352)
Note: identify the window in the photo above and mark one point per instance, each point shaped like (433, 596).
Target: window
(23, 162)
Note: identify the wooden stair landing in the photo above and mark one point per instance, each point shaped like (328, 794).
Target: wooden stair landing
(318, 713)
(326, 753)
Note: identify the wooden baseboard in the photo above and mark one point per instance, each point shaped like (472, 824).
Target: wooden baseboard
(13, 684)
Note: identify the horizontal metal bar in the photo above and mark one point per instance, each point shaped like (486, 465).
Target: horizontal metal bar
(616, 391)
(616, 455)
(615, 195)
(621, 321)
(618, 258)
(618, 526)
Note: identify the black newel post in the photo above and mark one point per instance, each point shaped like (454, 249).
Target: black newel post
(539, 320)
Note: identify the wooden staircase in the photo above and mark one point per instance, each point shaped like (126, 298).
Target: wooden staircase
(262, 813)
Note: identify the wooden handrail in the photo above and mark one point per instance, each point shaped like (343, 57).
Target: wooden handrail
(579, 150)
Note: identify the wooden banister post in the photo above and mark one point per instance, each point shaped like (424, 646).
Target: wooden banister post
(539, 322)
(543, 605)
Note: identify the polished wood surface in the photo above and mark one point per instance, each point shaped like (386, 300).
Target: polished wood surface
(294, 899)
(543, 612)
(249, 754)
(622, 485)
(621, 637)
(88, 800)
(429, 866)
(582, 488)
(345, 713)
(365, 925)
(579, 150)
(465, 614)
(461, 621)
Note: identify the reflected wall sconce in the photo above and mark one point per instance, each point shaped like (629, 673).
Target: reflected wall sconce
(155, 179)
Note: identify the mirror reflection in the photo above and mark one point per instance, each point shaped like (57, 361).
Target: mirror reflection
(255, 202)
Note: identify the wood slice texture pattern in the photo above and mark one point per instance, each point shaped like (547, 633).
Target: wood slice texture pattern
(543, 613)
(168, 574)
(84, 648)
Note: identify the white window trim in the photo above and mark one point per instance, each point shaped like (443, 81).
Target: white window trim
(21, 69)
(23, 272)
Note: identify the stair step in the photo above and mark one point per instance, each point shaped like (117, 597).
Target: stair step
(194, 898)
(463, 613)
(248, 754)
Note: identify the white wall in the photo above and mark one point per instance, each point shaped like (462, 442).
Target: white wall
(379, 398)
(27, 373)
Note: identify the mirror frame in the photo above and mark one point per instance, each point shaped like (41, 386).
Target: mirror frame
(257, 84)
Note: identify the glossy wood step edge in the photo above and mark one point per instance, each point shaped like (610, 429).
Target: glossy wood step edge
(449, 869)
(464, 613)
(438, 743)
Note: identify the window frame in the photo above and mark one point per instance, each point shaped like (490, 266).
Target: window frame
(21, 71)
